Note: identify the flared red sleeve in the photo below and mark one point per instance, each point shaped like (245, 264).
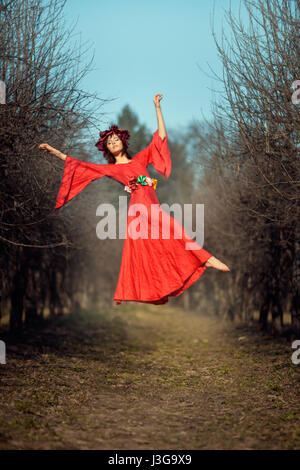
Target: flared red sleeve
(158, 154)
(77, 175)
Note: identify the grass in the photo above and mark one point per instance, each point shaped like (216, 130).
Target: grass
(147, 377)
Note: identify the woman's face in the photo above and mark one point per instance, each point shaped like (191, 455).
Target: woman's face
(114, 144)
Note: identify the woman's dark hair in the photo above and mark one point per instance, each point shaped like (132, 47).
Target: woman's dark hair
(123, 135)
(109, 156)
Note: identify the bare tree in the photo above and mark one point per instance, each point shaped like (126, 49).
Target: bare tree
(42, 68)
(251, 154)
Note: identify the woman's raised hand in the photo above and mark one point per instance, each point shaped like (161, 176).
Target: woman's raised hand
(157, 99)
(48, 148)
(160, 121)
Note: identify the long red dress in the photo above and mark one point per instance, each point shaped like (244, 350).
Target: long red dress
(152, 268)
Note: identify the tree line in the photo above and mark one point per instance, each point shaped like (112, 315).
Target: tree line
(243, 165)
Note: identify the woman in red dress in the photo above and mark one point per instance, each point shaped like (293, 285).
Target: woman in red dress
(153, 268)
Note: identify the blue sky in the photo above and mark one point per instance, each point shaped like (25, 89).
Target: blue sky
(146, 47)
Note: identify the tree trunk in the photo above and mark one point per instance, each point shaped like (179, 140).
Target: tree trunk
(263, 312)
(18, 291)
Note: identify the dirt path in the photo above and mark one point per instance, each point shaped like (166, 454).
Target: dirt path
(148, 378)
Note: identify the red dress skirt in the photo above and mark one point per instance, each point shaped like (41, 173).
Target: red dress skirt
(155, 263)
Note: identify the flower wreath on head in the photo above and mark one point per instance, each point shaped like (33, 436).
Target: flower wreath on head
(123, 134)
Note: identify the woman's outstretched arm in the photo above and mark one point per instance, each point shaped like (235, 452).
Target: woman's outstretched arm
(57, 153)
(77, 174)
(160, 121)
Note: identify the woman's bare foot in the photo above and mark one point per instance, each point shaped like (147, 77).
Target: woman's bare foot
(213, 262)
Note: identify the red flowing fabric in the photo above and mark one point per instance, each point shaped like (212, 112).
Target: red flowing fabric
(155, 264)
